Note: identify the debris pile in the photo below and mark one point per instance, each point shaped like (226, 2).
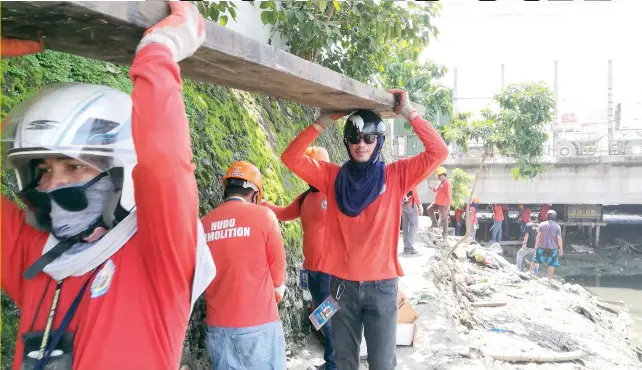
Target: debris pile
(513, 317)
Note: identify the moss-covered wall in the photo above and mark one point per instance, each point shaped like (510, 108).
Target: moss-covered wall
(225, 125)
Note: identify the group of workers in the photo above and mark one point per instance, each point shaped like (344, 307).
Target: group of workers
(109, 257)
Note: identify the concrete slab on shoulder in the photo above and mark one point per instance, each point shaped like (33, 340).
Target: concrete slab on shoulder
(110, 31)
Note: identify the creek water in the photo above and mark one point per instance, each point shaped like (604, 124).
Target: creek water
(618, 288)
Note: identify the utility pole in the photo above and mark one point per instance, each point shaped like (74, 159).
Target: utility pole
(502, 77)
(455, 93)
(609, 107)
(556, 121)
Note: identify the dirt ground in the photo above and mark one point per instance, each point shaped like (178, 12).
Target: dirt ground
(536, 318)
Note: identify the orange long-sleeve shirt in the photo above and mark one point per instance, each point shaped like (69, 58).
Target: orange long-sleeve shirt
(498, 212)
(246, 243)
(313, 214)
(444, 193)
(143, 314)
(364, 248)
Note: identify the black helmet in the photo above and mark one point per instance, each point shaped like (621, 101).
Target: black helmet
(363, 121)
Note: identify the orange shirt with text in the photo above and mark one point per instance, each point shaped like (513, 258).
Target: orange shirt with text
(247, 247)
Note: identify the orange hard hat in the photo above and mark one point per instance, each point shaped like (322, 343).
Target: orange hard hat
(248, 172)
(317, 152)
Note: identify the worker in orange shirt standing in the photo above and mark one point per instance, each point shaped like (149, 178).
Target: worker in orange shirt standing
(543, 212)
(311, 207)
(362, 230)
(443, 200)
(411, 209)
(474, 204)
(498, 216)
(459, 220)
(243, 326)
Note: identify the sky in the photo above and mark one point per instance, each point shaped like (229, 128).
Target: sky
(527, 37)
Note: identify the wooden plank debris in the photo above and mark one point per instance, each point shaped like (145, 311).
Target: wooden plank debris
(110, 31)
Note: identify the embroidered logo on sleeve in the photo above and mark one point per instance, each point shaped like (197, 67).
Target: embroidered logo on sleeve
(103, 279)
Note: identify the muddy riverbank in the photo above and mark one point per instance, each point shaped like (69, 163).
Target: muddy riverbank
(498, 318)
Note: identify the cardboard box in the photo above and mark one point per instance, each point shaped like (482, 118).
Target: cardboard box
(406, 329)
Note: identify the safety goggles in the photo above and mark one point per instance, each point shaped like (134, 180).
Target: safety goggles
(72, 199)
(367, 138)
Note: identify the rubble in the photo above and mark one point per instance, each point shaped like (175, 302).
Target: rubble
(512, 317)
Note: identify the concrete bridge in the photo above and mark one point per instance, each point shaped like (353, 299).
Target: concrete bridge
(572, 180)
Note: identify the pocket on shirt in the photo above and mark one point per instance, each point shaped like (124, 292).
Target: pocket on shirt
(252, 349)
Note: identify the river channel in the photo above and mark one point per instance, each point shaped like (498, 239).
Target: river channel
(627, 289)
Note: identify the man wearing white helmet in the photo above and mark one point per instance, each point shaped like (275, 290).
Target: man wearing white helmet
(109, 257)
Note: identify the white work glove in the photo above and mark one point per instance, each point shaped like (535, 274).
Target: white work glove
(279, 293)
(183, 32)
(403, 107)
(327, 118)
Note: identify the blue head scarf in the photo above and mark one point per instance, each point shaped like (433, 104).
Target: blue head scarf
(359, 183)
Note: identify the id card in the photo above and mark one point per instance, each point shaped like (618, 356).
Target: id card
(324, 312)
(303, 279)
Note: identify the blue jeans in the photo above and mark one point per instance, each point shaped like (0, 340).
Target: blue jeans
(526, 254)
(458, 227)
(260, 347)
(368, 307)
(319, 286)
(497, 231)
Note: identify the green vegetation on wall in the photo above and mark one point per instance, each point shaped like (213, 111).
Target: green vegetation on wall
(225, 125)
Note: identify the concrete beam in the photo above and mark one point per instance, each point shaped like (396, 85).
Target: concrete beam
(110, 31)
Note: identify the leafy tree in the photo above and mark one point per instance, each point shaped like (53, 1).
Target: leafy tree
(419, 81)
(356, 38)
(461, 182)
(217, 11)
(516, 131)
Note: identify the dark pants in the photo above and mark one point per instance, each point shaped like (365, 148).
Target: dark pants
(319, 286)
(458, 226)
(369, 307)
(506, 226)
(522, 228)
(443, 217)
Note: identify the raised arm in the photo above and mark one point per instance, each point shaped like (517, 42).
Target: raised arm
(414, 169)
(311, 171)
(287, 213)
(165, 186)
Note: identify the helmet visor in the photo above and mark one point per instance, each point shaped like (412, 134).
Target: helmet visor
(36, 129)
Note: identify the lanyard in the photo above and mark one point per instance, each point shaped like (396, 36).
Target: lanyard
(50, 319)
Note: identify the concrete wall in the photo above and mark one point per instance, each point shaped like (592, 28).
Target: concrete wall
(579, 180)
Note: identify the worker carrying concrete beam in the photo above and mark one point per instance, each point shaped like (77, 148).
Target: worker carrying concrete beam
(362, 225)
(311, 206)
(243, 325)
(443, 200)
(109, 257)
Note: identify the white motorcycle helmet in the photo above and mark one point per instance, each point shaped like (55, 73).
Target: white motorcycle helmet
(90, 123)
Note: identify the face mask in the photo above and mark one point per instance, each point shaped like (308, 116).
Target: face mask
(65, 224)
